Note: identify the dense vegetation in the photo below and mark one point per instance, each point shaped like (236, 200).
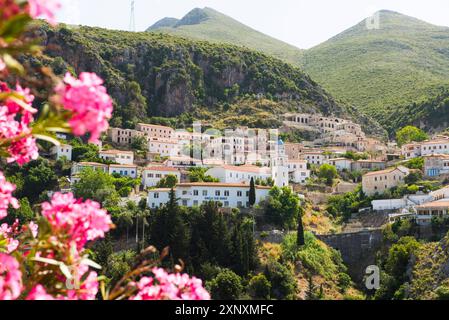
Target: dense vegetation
(383, 70)
(162, 78)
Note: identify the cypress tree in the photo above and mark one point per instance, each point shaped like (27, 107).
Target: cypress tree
(252, 193)
(300, 241)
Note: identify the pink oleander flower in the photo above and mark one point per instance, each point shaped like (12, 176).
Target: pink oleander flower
(39, 293)
(44, 9)
(9, 9)
(10, 278)
(6, 198)
(80, 221)
(89, 103)
(14, 126)
(34, 228)
(2, 65)
(165, 286)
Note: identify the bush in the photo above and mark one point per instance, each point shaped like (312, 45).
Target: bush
(259, 287)
(283, 281)
(227, 285)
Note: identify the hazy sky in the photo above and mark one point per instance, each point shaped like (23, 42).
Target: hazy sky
(303, 23)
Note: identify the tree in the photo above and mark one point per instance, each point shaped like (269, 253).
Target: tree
(96, 185)
(139, 144)
(413, 177)
(226, 286)
(198, 174)
(170, 181)
(259, 287)
(252, 192)
(328, 173)
(410, 134)
(282, 207)
(282, 279)
(300, 241)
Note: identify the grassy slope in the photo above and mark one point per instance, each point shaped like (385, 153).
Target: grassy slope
(216, 27)
(406, 60)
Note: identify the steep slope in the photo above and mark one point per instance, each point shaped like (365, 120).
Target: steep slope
(380, 70)
(161, 75)
(432, 114)
(211, 25)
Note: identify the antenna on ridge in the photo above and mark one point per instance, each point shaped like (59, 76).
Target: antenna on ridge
(132, 20)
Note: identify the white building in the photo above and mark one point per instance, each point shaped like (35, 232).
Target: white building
(156, 131)
(297, 171)
(439, 145)
(341, 163)
(429, 210)
(315, 157)
(381, 181)
(124, 170)
(239, 174)
(195, 194)
(63, 150)
(77, 168)
(164, 147)
(118, 156)
(396, 204)
(152, 175)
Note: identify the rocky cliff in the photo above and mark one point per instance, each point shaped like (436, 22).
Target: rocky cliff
(152, 75)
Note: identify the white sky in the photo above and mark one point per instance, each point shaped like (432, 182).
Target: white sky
(303, 23)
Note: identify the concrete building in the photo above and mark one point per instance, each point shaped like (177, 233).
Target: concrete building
(239, 174)
(195, 194)
(427, 211)
(411, 150)
(381, 181)
(124, 170)
(123, 136)
(77, 168)
(341, 163)
(293, 150)
(407, 201)
(63, 150)
(368, 165)
(435, 146)
(152, 175)
(156, 131)
(315, 157)
(436, 165)
(118, 156)
(164, 147)
(297, 171)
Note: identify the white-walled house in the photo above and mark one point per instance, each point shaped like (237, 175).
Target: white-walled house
(341, 163)
(297, 171)
(63, 150)
(195, 194)
(164, 147)
(152, 175)
(125, 170)
(118, 156)
(79, 167)
(239, 174)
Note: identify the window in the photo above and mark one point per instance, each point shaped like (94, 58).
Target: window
(204, 193)
(239, 193)
(184, 192)
(247, 193)
(195, 203)
(226, 204)
(226, 193)
(184, 203)
(156, 195)
(217, 193)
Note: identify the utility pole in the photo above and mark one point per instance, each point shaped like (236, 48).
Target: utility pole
(132, 20)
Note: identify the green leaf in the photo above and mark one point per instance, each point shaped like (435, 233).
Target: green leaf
(47, 138)
(13, 27)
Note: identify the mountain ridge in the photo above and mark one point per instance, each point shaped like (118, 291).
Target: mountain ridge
(380, 71)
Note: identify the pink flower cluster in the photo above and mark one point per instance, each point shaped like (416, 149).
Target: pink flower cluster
(81, 221)
(10, 278)
(89, 103)
(44, 9)
(6, 198)
(22, 146)
(2, 65)
(7, 232)
(165, 286)
(9, 8)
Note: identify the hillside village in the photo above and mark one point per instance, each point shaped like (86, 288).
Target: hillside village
(235, 159)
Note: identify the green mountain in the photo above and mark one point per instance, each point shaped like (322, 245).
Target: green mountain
(381, 70)
(159, 77)
(211, 25)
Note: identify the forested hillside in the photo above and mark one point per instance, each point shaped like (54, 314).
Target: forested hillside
(155, 75)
